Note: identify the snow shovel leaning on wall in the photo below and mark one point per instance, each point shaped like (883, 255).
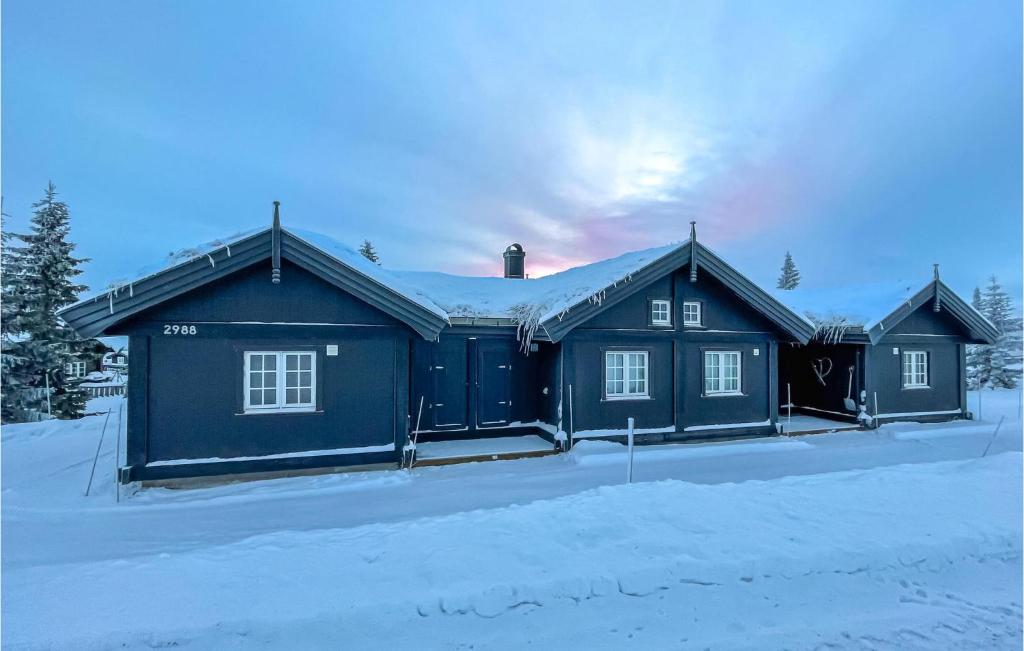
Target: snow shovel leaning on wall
(848, 400)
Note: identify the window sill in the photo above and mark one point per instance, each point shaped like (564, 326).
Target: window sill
(730, 394)
(624, 398)
(279, 412)
(915, 388)
(694, 326)
(663, 326)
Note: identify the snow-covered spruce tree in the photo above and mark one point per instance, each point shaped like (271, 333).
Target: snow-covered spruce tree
(1000, 365)
(12, 395)
(978, 357)
(369, 252)
(46, 271)
(790, 276)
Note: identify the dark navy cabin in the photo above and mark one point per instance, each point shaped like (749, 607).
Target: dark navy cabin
(279, 350)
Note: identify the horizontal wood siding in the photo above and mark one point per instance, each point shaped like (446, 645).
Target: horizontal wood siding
(196, 407)
(886, 377)
(591, 409)
(753, 405)
(249, 295)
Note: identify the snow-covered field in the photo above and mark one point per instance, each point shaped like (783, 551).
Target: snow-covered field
(901, 537)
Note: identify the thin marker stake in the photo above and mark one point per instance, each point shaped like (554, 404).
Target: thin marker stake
(629, 439)
(96, 458)
(994, 435)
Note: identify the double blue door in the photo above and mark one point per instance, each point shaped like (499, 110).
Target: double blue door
(472, 383)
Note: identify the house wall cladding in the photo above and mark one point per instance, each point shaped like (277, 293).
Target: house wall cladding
(885, 377)
(943, 339)
(675, 359)
(186, 397)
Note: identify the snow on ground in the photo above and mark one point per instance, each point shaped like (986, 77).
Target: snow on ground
(904, 536)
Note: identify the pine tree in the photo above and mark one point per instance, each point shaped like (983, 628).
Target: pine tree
(43, 272)
(790, 277)
(369, 252)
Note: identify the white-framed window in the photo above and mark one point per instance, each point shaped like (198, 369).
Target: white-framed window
(661, 312)
(915, 369)
(722, 372)
(74, 369)
(691, 313)
(625, 374)
(280, 381)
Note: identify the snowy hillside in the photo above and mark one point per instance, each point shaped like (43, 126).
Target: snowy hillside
(903, 537)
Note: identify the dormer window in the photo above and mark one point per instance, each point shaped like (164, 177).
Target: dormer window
(691, 314)
(661, 313)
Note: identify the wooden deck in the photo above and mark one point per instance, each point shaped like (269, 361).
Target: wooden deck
(443, 453)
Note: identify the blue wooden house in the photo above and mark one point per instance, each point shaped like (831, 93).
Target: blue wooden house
(280, 349)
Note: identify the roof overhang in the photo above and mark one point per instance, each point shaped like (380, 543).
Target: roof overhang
(98, 315)
(784, 318)
(980, 330)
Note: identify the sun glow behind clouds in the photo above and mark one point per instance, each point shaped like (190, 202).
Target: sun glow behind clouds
(637, 158)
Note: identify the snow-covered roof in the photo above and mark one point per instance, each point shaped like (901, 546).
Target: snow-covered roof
(854, 306)
(530, 301)
(527, 302)
(836, 310)
(352, 258)
(337, 250)
(173, 259)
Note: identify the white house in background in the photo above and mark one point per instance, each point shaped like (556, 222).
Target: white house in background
(115, 361)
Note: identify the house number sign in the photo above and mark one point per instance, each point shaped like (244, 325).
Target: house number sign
(179, 329)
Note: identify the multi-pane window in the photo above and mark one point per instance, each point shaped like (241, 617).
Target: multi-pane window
(280, 381)
(915, 369)
(691, 314)
(625, 374)
(74, 369)
(661, 312)
(722, 372)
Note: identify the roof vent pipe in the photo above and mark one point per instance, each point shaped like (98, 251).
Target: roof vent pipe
(693, 252)
(515, 261)
(937, 305)
(275, 245)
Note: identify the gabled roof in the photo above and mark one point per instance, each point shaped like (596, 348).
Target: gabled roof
(869, 311)
(191, 268)
(556, 324)
(548, 307)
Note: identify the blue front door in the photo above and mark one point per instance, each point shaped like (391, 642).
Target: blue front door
(494, 382)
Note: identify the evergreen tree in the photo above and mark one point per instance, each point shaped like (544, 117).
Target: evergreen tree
(790, 277)
(369, 252)
(997, 366)
(11, 360)
(41, 282)
(978, 357)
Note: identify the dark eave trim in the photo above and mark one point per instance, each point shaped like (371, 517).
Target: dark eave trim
(417, 317)
(787, 320)
(95, 316)
(980, 330)
(775, 311)
(614, 294)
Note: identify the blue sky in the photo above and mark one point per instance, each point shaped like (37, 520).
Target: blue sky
(871, 139)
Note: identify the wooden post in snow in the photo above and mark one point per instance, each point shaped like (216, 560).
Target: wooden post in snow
(629, 443)
(570, 419)
(789, 409)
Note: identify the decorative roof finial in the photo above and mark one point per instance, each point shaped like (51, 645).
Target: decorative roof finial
(937, 305)
(693, 252)
(275, 244)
